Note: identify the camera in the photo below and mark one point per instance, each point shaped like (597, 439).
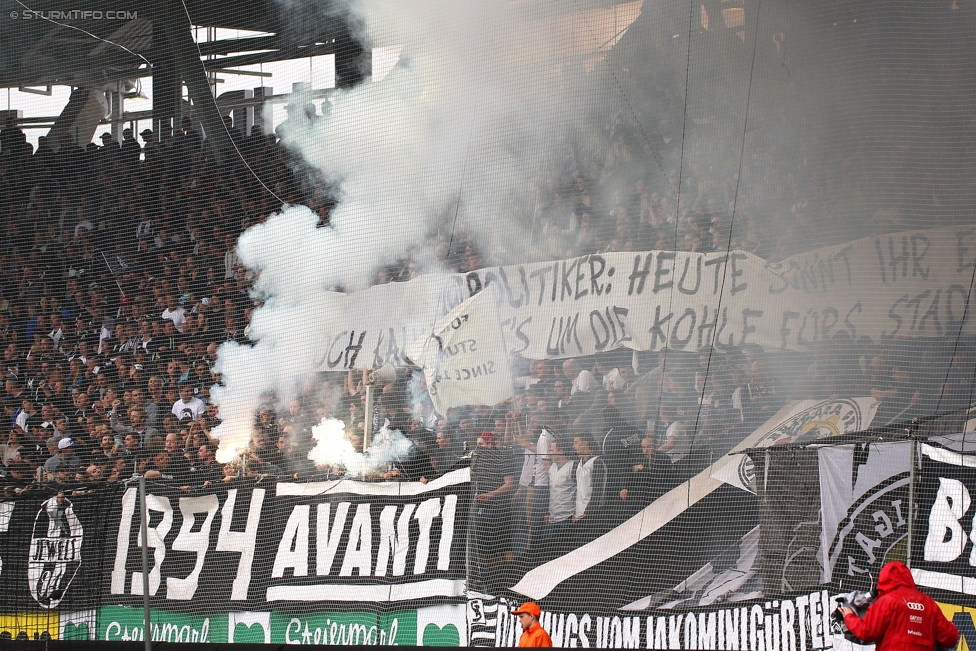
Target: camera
(856, 600)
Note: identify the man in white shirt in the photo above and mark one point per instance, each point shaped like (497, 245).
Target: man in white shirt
(562, 486)
(591, 481)
(174, 312)
(539, 371)
(57, 330)
(188, 406)
(536, 471)
(542, 459)
(582, 380)
(562, 498)
(677, 438)
(619, 378)
(21, 416)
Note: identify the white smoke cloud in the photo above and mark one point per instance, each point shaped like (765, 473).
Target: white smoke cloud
(458, 128)
(297, 315)
(332, 449)
(469, 115)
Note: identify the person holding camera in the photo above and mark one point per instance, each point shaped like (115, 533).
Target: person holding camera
(901, 617)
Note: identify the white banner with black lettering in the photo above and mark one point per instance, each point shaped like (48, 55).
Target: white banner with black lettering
(465, 360)
(915, 283)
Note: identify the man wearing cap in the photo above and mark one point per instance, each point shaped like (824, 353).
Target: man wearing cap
(110, 149)
(65, 457)
(533, 635)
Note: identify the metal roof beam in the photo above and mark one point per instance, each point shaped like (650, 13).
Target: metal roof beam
(268, 57)
(249, 44)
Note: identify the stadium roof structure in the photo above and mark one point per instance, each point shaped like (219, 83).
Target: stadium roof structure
(48, 43)
(91, 45)
(44, 44)
(101, 49)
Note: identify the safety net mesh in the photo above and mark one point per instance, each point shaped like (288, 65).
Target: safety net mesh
(652, 312)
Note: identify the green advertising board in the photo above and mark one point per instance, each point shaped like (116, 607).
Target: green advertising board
(436, 626)
(398, 627)
(117, 623)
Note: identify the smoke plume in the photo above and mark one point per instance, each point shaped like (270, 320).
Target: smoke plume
(333, 450)
(445, 141)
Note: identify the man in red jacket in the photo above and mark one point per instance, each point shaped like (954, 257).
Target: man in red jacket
(902, 618)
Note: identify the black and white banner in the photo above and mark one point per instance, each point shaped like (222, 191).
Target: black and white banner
(371, 542)
(50, 551)
(943, 549)
(338, 541)
(246, 546)
(798, 622)
(302, 560)
(803, 421)
(864, 498)
(702, 516)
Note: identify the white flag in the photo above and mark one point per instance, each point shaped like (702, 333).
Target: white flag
(464, 357)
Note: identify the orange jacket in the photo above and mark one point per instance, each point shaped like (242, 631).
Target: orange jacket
(535, 637)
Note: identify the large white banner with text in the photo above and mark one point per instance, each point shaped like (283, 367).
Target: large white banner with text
(910, 284)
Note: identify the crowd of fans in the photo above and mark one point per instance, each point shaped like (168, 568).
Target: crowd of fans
(119, 281)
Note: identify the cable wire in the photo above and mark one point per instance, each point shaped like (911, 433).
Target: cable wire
(735, 206)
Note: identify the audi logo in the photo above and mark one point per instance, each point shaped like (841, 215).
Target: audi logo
(914, 605)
